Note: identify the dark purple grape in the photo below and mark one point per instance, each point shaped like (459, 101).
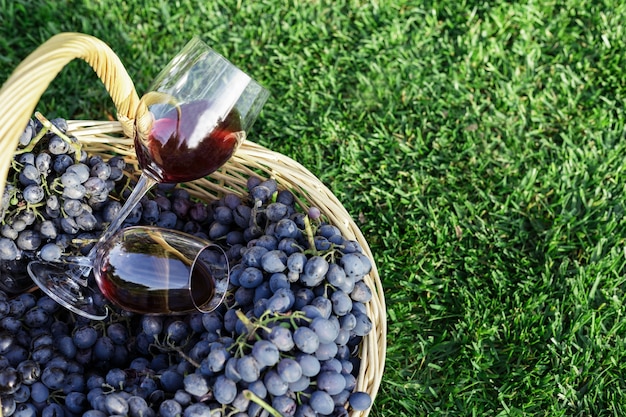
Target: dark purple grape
(314, 271)
(28, 240)
(325, 329)
(286, 228)
(265, 353)
(10, 380)
(253, 256)
(279, 280)
(196, 384)
(81, 171)
(76, 402)
(321, 402)
(326, 351)
(250, 277)
(85, 337)
(309, 364)
(274, 383)
(361, 292)
(285, 405)
(363, 324)
(224, 390)
(274, 261)
(281, 301)
(115, 403)
(248, 368)
(360, 401)
(177, 331)
(167, 219)
(53, 377)
(170, 408)
(306, 340)
(39, 392)
(33, 194)
(61, 163)
(289, 370)
(29, 175)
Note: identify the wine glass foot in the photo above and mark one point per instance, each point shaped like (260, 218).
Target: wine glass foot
(56, 282)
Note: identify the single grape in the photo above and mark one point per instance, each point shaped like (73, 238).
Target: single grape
(309, 364)
(248, 368)
(326, 351)
(251, 277)
(363, 324)
(306, 340)
(361, 292)
(170, 408)
(274, 261)
(265, 353)
(28, 240)
(274, 383)
(289, 370)
(85, 337)
(286, 228)
(198, 410)
(360, 401)
(224, 390)
(33, 194)
(138, 407)
(29, 175)
(314, 271)
(321, 402)
(285, 405)
(325, 329)
(53, 377)
(115, 403)
(39, 392)
(81, 170)
(314, 213)
(8, 250)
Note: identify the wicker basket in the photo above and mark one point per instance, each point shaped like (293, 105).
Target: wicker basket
(22, 91)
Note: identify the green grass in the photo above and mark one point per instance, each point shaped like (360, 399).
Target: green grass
(479, 145)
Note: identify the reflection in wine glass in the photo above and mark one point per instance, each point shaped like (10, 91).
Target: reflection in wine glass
(200, 109)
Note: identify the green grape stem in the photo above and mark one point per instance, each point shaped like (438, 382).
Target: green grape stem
(49, 126)
(251, 396)
(309, 234)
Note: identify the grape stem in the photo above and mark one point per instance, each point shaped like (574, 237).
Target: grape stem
(49, 126)
(309, 234)
(251, 396)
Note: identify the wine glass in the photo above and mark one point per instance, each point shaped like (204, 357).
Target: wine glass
(199, 109)
(148, 269)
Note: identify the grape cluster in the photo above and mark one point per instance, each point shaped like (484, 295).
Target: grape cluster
(284, 342)
(56, 199)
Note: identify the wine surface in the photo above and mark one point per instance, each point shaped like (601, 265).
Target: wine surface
(188, 142)
(142, 276)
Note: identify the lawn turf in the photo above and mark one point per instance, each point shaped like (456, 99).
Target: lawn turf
(479, 145)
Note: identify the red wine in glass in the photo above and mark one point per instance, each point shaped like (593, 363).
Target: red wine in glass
(189, 141)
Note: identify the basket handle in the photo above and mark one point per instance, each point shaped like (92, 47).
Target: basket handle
(21, 92)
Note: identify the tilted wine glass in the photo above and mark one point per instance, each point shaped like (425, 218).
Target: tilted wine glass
(201, 107)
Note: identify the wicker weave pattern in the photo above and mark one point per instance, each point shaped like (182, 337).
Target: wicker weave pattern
(20, 94)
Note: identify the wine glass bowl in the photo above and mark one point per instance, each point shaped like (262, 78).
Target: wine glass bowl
(148, 269)
(199, 109)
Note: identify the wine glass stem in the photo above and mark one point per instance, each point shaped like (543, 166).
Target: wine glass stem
(144, 184)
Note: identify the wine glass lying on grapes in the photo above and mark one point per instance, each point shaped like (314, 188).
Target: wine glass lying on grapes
(200, 108)
(146, 269)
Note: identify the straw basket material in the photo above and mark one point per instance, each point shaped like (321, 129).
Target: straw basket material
(22, 91)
